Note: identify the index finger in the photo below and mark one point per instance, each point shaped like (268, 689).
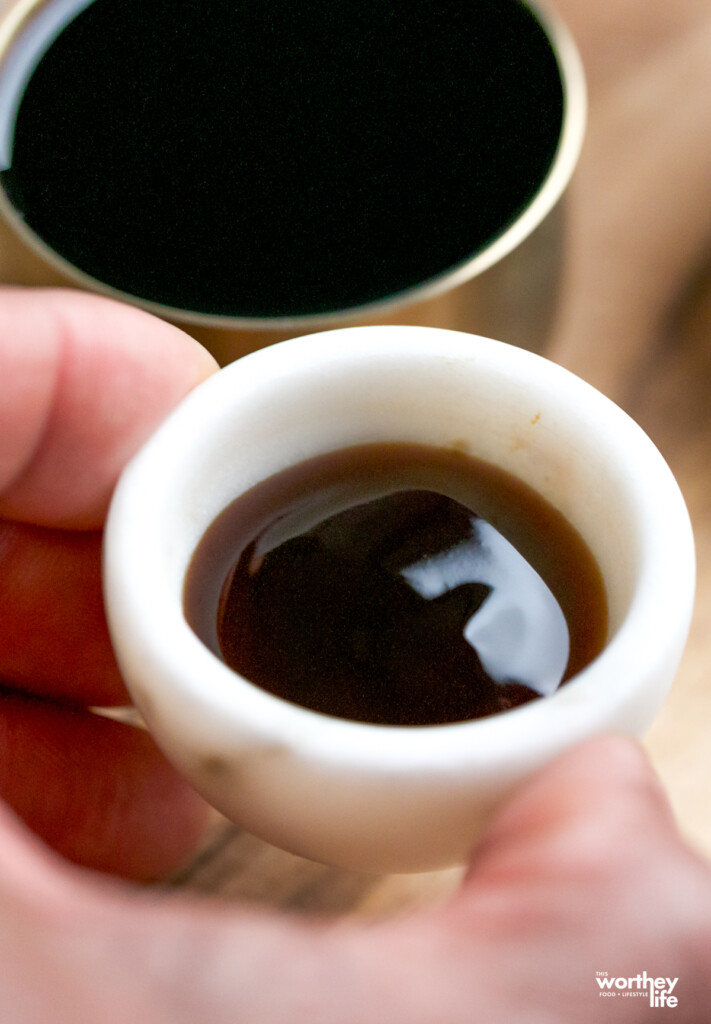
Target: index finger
(84, 380)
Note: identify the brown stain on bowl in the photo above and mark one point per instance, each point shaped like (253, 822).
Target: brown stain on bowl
(214, 765)
(218, 766)
(460, 446)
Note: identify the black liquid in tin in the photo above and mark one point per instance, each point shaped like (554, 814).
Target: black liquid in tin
(285, 157)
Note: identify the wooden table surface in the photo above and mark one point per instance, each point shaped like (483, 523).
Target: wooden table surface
(635, 321)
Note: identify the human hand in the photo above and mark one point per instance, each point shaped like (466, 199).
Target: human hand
(83, 381)
(582, 872)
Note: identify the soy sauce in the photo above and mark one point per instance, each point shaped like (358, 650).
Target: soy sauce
(397, 584)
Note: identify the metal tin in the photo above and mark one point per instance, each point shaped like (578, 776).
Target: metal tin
(508, 290)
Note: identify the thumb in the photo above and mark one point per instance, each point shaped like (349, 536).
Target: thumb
(597, 805)
(584, 871)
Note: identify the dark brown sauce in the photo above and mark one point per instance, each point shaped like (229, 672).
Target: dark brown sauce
(397, 584)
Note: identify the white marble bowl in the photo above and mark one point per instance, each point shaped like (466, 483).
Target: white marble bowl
(365, 796)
